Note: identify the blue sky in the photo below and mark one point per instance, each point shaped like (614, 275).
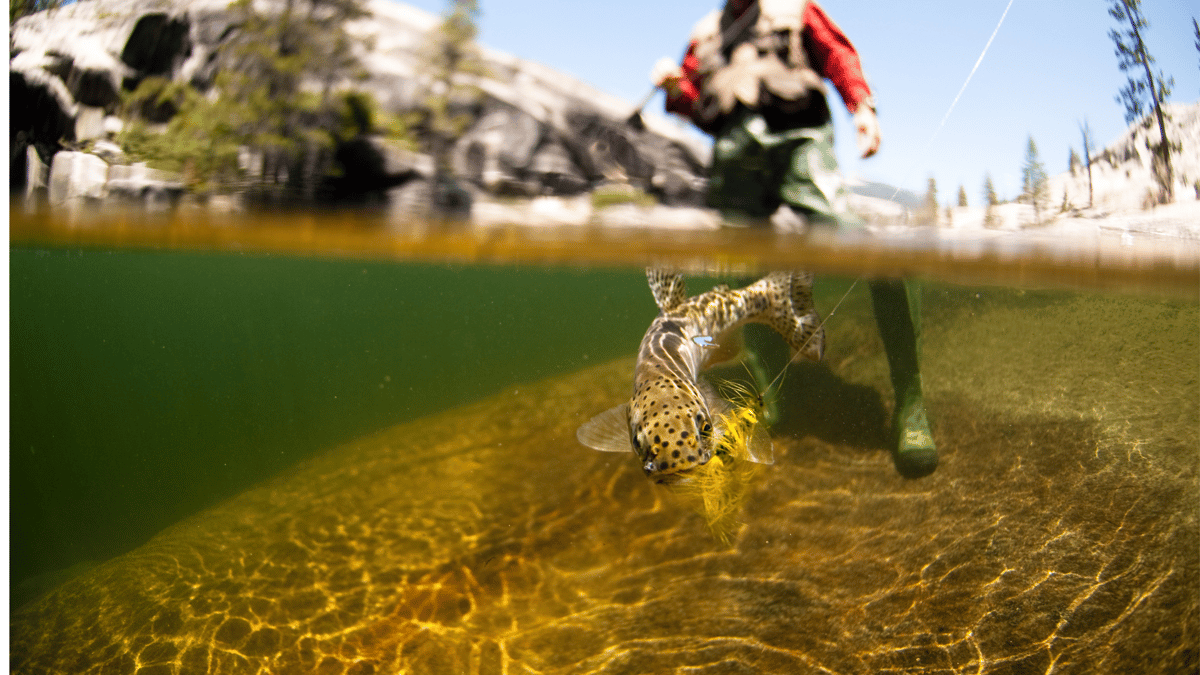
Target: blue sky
(1050, 66)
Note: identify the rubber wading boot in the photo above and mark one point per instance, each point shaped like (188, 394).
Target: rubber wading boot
(898, 315)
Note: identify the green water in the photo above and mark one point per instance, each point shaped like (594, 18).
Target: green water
(146, 386)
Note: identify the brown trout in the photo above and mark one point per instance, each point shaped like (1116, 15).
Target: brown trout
(669, 422)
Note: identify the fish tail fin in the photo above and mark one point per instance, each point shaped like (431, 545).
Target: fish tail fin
(668, 288)
(810, 332)
(797, 320)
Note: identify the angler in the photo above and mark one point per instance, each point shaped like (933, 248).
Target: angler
(753, 78)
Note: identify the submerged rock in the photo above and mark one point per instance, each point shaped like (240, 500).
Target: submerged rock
(1059, 532)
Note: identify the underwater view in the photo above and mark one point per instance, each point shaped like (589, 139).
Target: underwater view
(234, 452)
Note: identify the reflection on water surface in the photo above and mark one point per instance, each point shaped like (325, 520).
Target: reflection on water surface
(1086, 253)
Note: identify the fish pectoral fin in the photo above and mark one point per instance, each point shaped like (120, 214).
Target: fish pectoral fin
(608, 431)
(760, 448)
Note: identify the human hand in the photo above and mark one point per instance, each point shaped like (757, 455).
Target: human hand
(666, 74)
(867, 126)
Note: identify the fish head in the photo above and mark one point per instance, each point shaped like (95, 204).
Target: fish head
(671, 427)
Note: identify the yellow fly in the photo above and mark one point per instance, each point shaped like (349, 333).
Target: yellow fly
(716, 490)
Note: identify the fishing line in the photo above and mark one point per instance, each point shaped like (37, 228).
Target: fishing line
(779, 377)
(970, 75)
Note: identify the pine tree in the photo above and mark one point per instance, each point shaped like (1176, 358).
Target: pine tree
(274, 96)
(1033, 180)
(989, 191)
(20, 8)
(1144, 92)
(962, 196)
(930, 207)
(990, 201)
(263, 68)
(1196, 32)
(1087, 156)
(197, 141)
(450, 54)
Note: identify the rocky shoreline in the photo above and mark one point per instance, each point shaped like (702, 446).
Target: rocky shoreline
(534, 132)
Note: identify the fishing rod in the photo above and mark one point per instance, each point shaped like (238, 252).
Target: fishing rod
(635, 120)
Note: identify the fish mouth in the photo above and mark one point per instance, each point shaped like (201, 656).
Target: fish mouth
(672, 477)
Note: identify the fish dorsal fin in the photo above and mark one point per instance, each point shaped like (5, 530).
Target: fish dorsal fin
(608, 431)
(668, 288)
(801, 284)
(760, 449)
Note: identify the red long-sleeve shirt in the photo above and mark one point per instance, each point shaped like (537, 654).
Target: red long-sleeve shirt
(829, 53)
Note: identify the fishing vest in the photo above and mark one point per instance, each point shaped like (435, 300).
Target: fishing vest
(756, 59)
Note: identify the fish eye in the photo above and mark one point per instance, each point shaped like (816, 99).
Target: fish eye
(638, 448)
